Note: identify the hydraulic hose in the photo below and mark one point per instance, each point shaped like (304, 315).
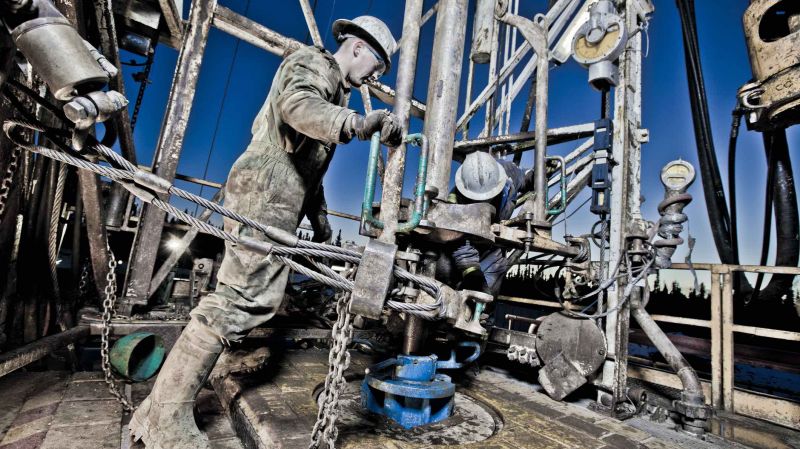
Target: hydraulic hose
(709, 169)
(781, 197)
(787, 223)
(780, 185)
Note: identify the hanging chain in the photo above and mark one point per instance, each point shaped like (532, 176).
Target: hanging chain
(144, 80)
(108, 311)
(8, 179)
(325, 430)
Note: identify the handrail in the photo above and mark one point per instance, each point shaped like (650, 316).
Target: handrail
(420, 201)
(724, 394)
(563, 190)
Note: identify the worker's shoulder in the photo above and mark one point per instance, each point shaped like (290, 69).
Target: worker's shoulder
(313, 56)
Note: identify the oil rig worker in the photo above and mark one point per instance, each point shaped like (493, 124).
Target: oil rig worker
(276, 181)
(482, 178)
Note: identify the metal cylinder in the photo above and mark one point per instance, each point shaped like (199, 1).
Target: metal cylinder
(772, 32)
(482, 32)
(58, 54)
(443, 90)
(115, 208)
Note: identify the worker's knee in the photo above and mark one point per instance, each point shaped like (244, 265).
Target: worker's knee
(231, 314)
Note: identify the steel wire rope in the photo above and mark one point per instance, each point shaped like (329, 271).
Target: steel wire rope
(281, 252)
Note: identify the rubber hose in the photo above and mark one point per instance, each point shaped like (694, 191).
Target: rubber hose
(709, 169)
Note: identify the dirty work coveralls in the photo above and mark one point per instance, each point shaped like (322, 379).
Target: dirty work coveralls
(275, 181)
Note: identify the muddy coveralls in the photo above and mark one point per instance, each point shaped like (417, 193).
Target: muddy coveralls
(274, 182)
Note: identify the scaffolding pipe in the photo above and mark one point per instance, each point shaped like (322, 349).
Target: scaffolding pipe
(443, 91)
(396, 160)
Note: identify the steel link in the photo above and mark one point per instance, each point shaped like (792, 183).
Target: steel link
(325, 432)
(8, 180)
(108, 311)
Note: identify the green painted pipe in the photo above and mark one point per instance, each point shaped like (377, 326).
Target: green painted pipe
(420, 202)
(137, 356)
(369, 188)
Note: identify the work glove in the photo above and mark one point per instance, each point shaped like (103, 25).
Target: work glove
(467, 259)
(381, 120)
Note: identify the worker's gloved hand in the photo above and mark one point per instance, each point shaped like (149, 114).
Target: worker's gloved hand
(467, 259)
(381, 120)
(321, 227)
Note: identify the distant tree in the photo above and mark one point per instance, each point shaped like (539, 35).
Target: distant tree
(338, 241)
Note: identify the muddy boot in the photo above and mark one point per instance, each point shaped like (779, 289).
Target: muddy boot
(165, 419)
(240, 361)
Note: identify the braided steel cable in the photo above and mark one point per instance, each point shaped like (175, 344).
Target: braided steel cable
(306, 249)
(211, 205)
(52, 234)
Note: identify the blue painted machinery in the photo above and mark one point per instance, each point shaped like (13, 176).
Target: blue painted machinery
(408, 390)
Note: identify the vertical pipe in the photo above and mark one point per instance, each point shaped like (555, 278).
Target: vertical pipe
(727, 342)
(625, 203)
(170, 144)
(716, 341)
(414, 332)
(536, 34)
(482, 32)
(443, 90)
(488, 120)
(539, 170)
(396, 161)
(468, 95)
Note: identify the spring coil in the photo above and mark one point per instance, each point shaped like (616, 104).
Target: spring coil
(670, 226)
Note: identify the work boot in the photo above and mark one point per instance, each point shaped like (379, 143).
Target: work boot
(165, 419)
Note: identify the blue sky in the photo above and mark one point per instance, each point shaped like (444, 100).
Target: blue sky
(219, 127)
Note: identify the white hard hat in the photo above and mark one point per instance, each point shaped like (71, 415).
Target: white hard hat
(480, 177)
(372, 30)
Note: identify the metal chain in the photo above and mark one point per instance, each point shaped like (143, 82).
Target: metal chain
(108, 310)
(325, 430)
(8, 179)
(84, 282)
(145, 80)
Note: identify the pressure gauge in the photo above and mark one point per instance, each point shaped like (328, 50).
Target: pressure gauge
(677, 175)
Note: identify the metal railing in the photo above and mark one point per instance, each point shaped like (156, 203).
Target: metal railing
(721, 392)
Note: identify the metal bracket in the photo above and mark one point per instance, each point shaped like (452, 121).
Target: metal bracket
(373, 279)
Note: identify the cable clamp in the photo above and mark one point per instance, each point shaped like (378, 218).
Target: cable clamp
(151, 182)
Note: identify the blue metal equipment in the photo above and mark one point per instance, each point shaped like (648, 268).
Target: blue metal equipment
(407, 389)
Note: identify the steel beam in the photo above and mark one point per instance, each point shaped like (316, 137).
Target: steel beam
(443, 89)
(20, 357)
(170, 143)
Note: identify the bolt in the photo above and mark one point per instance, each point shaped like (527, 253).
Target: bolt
(75, 111)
